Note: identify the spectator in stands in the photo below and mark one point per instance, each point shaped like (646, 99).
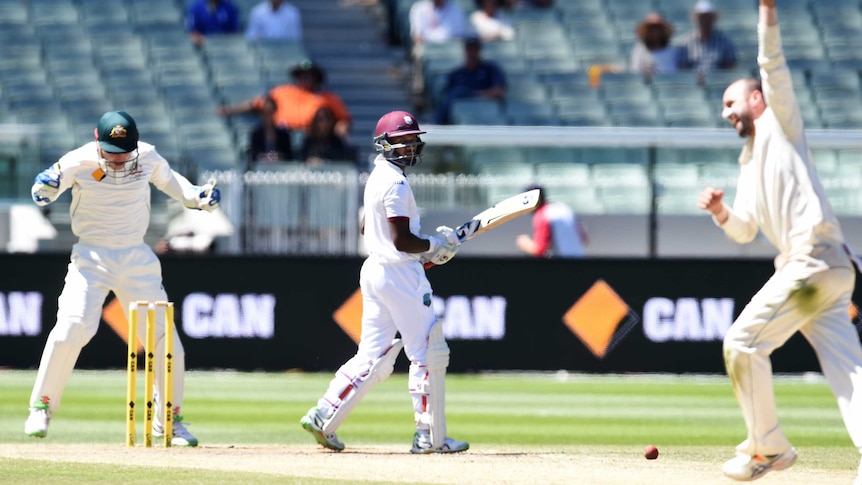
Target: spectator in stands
(274, 19)
(269, 142)
(477, 78)
(491, 22)
(705, 48)
(557, 231)
(297, 103)
(432, 21)
(209, 17)
(321, 144)
(653, 52)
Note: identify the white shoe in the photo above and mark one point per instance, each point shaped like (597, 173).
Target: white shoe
(180, 435)
(746, 468)
(422, 445)
(313, 423)
(37, 422)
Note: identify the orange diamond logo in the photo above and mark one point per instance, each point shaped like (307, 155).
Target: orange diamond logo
(349, 316)
(600, 318)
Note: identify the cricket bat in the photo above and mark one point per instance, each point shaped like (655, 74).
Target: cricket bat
(500, 213)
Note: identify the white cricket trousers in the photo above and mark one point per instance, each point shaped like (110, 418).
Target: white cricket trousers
(132, 274)
(396, 297)
(817, 305)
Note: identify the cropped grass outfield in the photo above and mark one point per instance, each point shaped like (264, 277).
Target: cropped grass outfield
(609, 413)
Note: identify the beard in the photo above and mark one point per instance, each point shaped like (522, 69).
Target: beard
(744, 127)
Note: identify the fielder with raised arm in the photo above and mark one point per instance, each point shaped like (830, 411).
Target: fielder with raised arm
(779, 194)
(396, 297)
(110, 182)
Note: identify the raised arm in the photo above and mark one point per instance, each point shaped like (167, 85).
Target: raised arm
(774, 73)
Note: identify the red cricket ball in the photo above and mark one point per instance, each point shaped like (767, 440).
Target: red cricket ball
(650, 452)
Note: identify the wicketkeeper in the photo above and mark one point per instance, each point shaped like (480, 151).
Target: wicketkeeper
(110, 182)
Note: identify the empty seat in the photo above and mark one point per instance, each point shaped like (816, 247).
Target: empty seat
(476, 111)
(835, 78)
(570, 174)
(605, 155)
(677, 175)
(477, 157)
(550, 155)
(619, 175)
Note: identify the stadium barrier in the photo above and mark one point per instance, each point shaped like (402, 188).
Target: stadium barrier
(281, 313)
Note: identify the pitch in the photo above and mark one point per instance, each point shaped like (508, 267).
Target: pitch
(523, 428)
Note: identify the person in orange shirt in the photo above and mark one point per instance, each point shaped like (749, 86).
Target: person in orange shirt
(297, 103)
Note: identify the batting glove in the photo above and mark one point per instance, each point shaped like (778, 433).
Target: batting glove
(440, 251)
(46, 187)
(210, 196)
(447, 234)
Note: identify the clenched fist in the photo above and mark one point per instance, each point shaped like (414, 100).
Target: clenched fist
(711, 200)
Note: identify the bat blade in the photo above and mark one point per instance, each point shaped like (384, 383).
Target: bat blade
(500, 213)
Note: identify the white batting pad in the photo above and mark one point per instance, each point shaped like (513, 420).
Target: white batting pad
(436, 362)
(379, 370)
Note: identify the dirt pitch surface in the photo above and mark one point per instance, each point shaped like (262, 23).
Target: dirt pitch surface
(391, 464)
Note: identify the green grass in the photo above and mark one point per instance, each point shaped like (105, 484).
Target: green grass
(696, 415)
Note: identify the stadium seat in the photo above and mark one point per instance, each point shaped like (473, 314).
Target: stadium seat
(476, 111)
(547, 156)
(477, 157)
(677, 175)
(571, 174)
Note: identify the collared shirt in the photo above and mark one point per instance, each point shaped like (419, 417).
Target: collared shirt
(202, 18)
(115, 213)
(437, 24)
(716, 52)
(778, 191)
(266, 23)
(387, 195)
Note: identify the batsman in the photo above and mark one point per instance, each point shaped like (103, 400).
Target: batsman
(110, 181)
(396, 298)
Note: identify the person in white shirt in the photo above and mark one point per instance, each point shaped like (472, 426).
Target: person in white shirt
(435, 22)
(396, 298)
(490, 22)
(274, 20)
(779, 194)
(110, 182)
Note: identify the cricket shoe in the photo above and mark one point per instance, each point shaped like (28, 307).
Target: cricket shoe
(180, 435)
(422, 445)
(313, 423)
(746, 467)
(37, 422)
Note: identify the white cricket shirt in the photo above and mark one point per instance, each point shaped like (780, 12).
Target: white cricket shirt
(387, 194)
(778, 190)
(115, 213)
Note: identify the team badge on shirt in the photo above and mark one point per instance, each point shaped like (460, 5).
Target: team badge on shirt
(426, 299)
(98, 174)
